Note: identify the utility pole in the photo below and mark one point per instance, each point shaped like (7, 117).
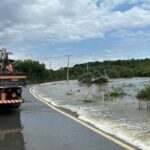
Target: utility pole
(68, 56)
(50, 65)
(87, 67)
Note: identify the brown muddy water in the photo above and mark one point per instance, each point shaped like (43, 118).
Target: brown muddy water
(117, 116)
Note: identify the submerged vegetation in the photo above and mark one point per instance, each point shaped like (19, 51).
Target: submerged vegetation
(88, 98)
(114, 93)
(144, 94)
(87, 101)
(88, 78)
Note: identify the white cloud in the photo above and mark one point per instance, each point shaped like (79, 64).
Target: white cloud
(46, 21)
(65, 20)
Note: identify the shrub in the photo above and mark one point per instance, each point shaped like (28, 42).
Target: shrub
(144, 93)
(86, 78)
(101, 80)
(116, 92)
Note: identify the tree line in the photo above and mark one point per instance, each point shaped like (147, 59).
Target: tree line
(37, 72)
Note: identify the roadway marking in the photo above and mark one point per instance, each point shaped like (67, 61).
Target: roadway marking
(109, 137)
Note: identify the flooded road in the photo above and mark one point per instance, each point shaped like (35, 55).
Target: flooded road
(11, 137)
(118, 116)
(38, 127)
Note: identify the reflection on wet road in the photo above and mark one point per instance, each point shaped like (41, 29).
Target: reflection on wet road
(11, 137)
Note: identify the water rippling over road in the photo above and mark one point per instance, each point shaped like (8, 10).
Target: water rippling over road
(120, 117)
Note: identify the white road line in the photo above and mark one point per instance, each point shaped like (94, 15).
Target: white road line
(109, 137)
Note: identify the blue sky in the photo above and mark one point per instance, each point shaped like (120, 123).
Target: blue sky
(89, 30)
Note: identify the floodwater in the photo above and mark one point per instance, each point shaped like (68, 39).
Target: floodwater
(117, 116)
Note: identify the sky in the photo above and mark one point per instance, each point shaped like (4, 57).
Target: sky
(88, 30)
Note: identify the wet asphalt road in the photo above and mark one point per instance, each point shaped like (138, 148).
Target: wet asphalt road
(37, 127)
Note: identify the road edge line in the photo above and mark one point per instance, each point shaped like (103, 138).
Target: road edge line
(105, 135)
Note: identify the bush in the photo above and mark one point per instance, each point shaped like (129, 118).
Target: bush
(101, 80)
(116, 92)
(86, 78)
(144, 94)
(88, 99)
